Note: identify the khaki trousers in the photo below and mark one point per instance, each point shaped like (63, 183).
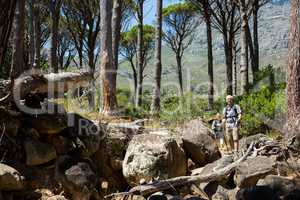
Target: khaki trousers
(231, 136)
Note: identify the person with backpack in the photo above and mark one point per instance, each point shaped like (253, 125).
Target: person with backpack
(217, 128)
(232, 117)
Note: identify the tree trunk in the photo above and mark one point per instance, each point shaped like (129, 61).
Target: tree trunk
(244, 48)
(293, 81)
(31, 32)
(55, 16)
(228, 60)
(210, 61)
(140, 62)
(91, 63)
(255, 36)
(155, 107)
(116, 32)
(18, 41)
(234, 55)
(37, 37)
(6, 21)
(251, 53)
(135, 78)
(179, 73)
(108, 70)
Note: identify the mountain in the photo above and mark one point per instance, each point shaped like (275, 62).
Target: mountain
(273, 39)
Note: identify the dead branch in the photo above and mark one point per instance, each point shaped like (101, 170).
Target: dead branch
(45, 84)
(163, 185)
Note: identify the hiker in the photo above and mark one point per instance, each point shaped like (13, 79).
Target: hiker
(232, 117)
(217, 128)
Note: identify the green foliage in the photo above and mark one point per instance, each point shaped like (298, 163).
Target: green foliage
(176, 109)
(131, 35)
(180, 8)
(265, 102)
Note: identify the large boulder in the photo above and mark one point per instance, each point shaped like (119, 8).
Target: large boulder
(115, 143)
(150, 157)
(199, 144)
(38, 153)
(224, 194)
(250, 171)
(77, 176)
(84, 133)
(51, 120)
(10, 179)
(282, 185)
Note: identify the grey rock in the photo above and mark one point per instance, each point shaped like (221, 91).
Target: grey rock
(250, 171)
(81, 176)
(157, 196)
(224, 194)
(38, 153)
(10, 179)
(76, 176)
(281, 185)
(57, 197)
(199, 144)
(84, 133)
(153, 157)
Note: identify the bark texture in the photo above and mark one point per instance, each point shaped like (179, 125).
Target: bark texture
(30, 4)
(293, 82)
(140, 44)
(55, 16)
(255, 37)
(155, 107)
(209, 59)
(108, 69)
(244, 49)
(18, 40)
(6, 21)
(116, 32)
(37, 36)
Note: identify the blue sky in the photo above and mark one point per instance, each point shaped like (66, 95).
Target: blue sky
(150, 6)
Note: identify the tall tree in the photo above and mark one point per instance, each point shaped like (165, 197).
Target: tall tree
(108, 69)
(30, 5)
(18, 40)
(82, 19)
(66, 50)
(140, 42)
(128, 49)
(204, 6)
(256, 5)
(54, 7)
(155, 107)
(180, 26)
(76, 26)
(116, 26)
(37, 34)
(244, 47)
(227, 22)
(293, 81)
(6, 20)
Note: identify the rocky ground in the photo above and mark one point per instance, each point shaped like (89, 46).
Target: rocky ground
(62, 156)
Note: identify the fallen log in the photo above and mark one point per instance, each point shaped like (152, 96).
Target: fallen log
(44, 84)
(148, 189)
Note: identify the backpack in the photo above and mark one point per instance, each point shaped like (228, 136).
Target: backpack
(235, 111)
